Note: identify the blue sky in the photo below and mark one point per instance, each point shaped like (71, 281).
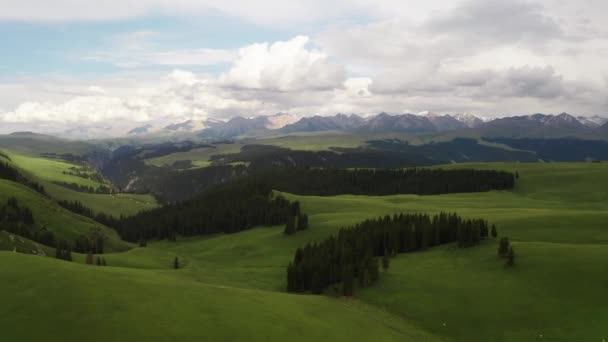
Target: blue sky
(67, 63)
(33, 48)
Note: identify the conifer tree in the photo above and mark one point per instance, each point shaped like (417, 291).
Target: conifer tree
(385, 261)
(302, 222)
(176, 263)
(494, 232)
(347, 281)
(510, 257)
(503, 247)
(290, 226)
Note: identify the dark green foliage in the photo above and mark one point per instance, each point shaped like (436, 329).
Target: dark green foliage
(510, 257)
(98, 260)
(143, 243)
(84, 188)
(494, 232)
(347, 281)
(103, 262)
(302, 222)
(503, 247)
(248, 202)
(559, 150)
(368, 273)
(296, 223)
(385, 261)
(355, 249)
(176, 263)
(290, 226)
(18, 219)
(78, 208)
(93, 242)
(228, 208)
(330, 182)
(63, 251)
(12, 174)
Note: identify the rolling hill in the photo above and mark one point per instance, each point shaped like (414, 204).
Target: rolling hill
(446, 293)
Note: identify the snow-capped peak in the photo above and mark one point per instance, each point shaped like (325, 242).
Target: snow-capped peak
(592, 121)
(280, 120)
(468, 119)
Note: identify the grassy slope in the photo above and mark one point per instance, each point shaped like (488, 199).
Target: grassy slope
(198, 156)
(65, 224)
(51, 170)
(48, 171)
(35, 144)
(120, 304)
(556, 216)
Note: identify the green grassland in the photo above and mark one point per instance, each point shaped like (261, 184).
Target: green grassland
(63, 223)
(113, 204)
(557, 217)
(78, 302)
(52, 170)
(200, 157)
(318, 142)
(48, 171)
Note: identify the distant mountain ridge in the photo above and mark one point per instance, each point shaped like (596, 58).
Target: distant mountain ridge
(535, 125)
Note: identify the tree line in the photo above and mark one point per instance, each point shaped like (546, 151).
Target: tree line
(10, 173)
(18, 219)
(353, 253)
(227, 208)
(102, 189)
(378, 182)
(246, 202)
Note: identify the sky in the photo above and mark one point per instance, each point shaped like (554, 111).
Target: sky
(106, 67)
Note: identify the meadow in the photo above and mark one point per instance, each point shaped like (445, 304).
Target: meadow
(50, 171)
(231, 287)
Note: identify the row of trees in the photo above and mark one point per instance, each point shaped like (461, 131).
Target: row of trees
(421, 181)
(92, 242)
(18, 219)
(90, 259)
(353, 253)
(10, 173)
(85, 188)
(63, 250)
(506, 251)
(80, 209)
(227, 208)
(296, 220)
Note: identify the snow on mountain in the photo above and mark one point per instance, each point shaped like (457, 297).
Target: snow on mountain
(280, 120)
(468, 119)
(592, 121)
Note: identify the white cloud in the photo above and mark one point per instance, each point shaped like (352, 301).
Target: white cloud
(486, 56)
(283, 66)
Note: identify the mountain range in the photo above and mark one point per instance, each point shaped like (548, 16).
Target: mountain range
(466, 124)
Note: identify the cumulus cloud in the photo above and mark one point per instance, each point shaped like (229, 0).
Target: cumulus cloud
(80, 109)
(486, 56)
(283, 66)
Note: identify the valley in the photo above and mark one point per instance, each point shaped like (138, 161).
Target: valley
(553, 228)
